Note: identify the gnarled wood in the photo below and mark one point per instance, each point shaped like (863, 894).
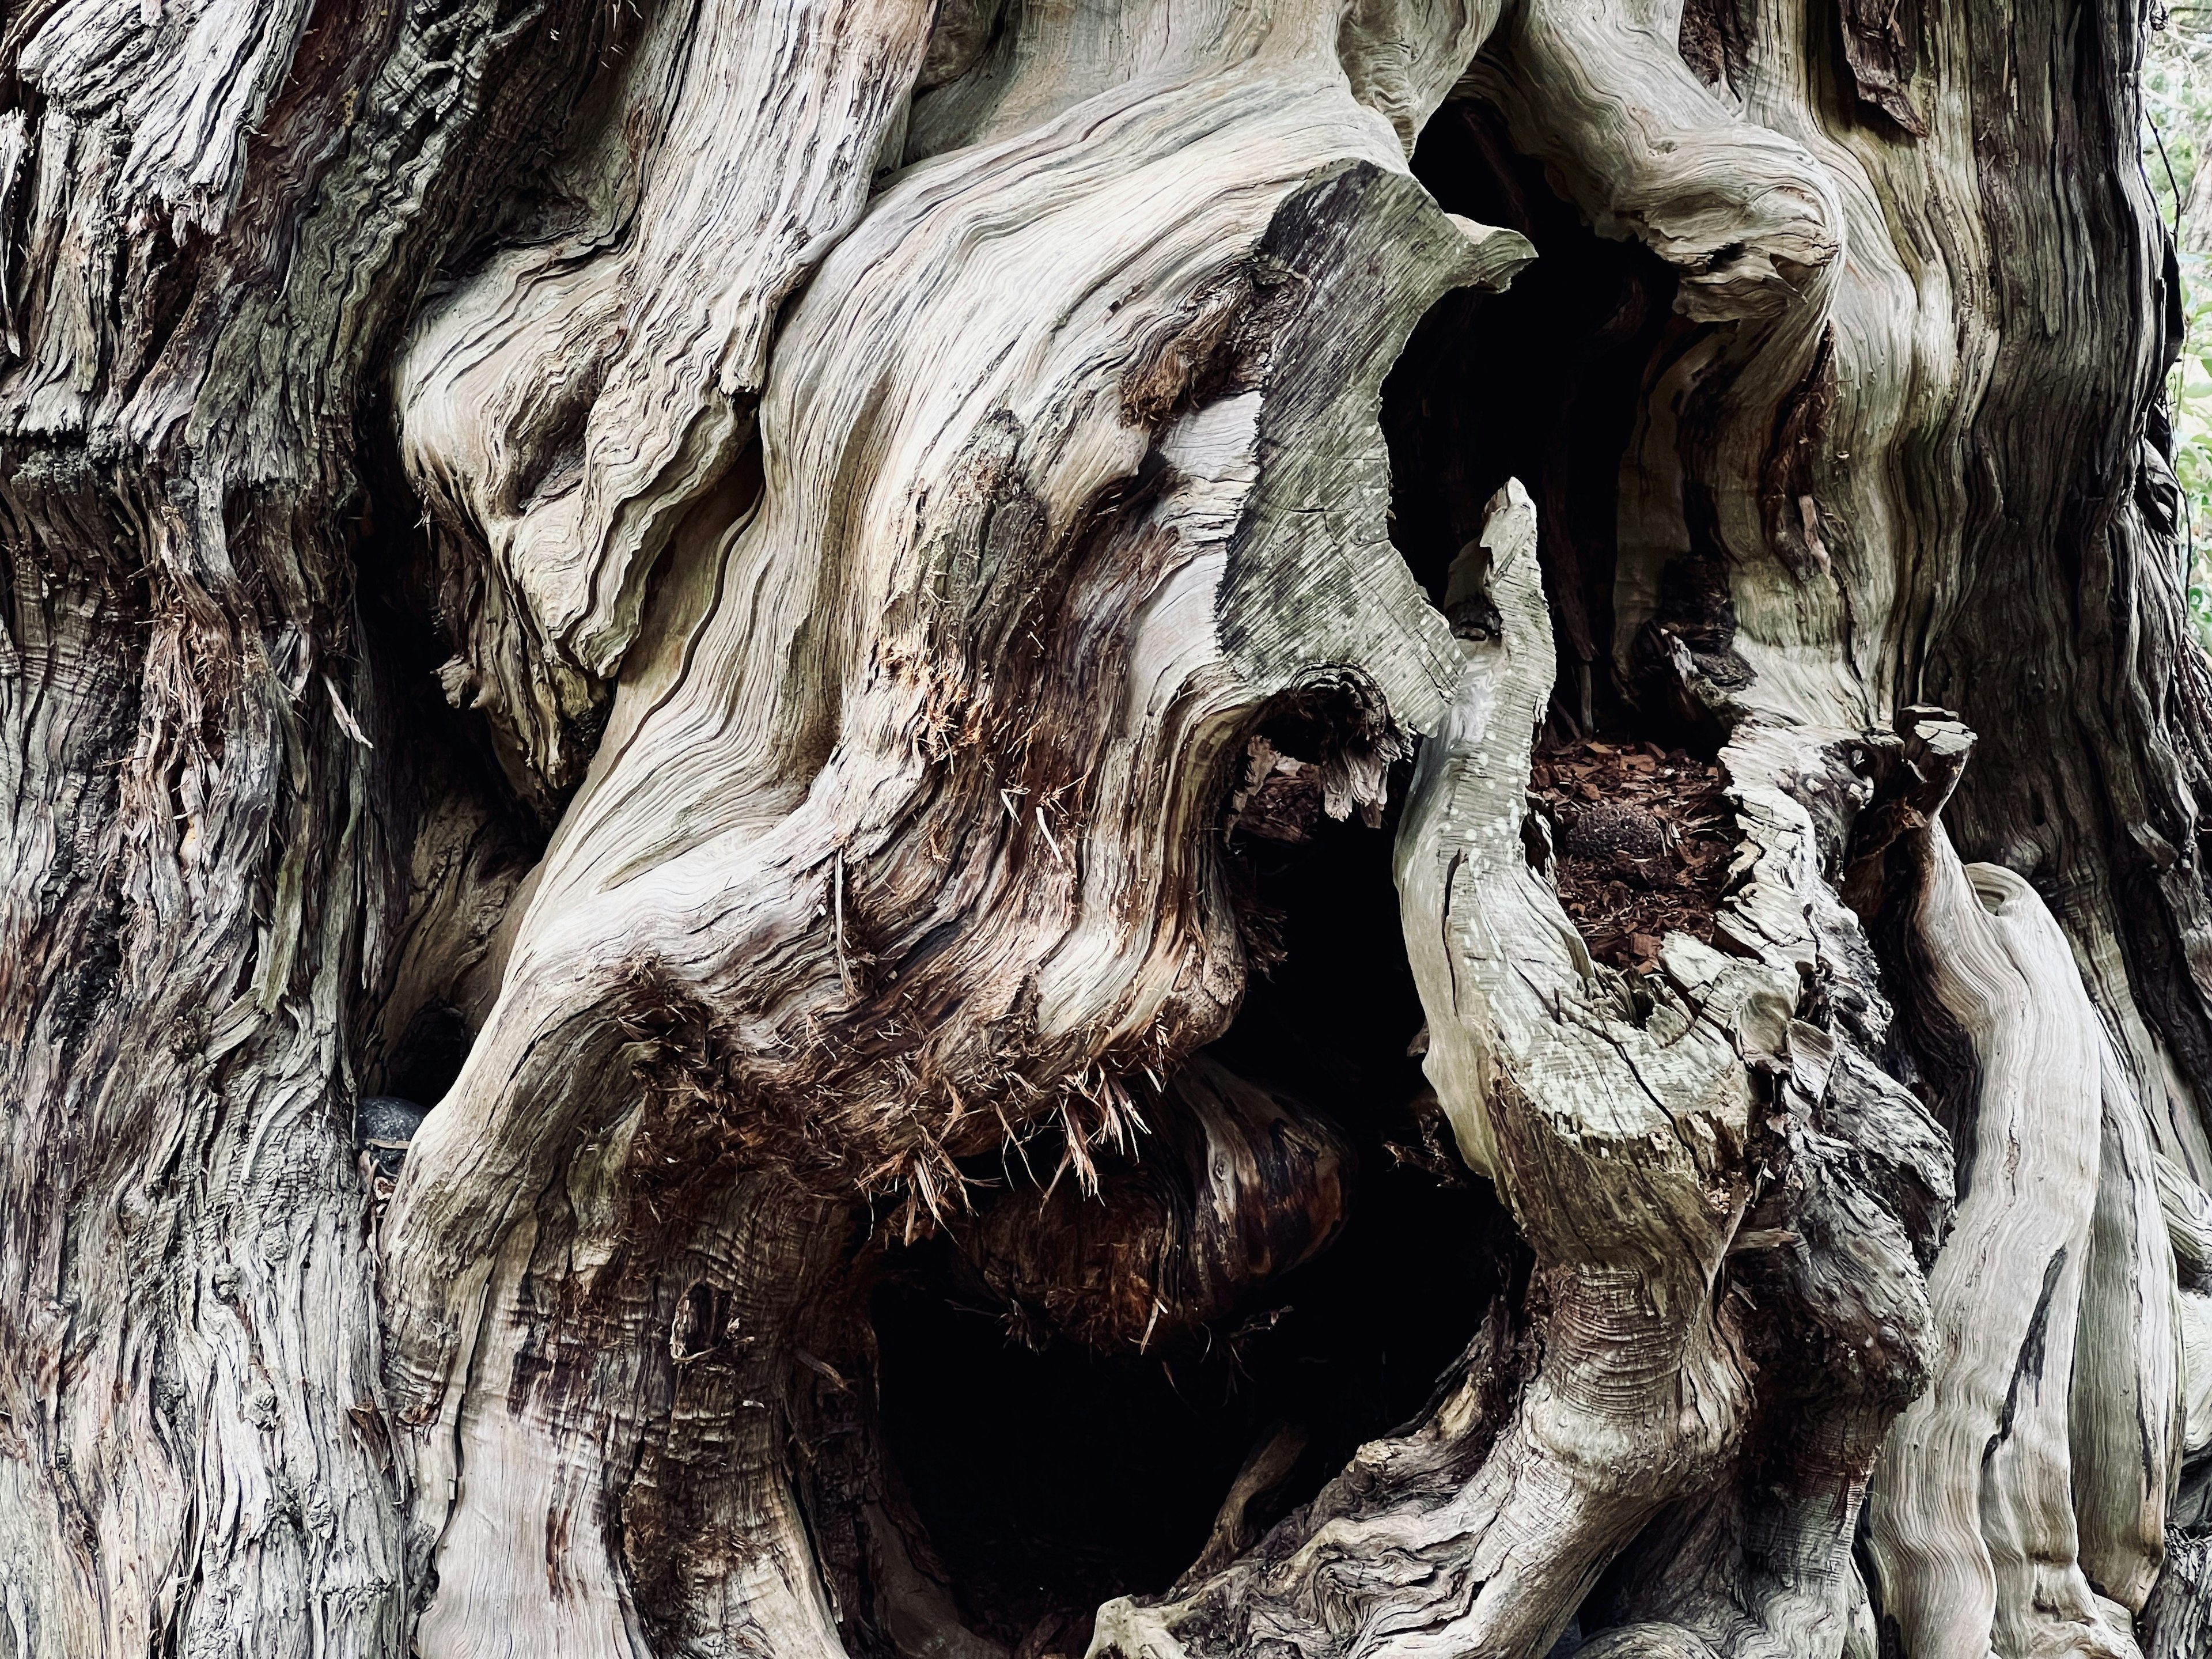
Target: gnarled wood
(719, 594)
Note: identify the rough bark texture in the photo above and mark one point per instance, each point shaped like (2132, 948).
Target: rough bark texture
(731, 597)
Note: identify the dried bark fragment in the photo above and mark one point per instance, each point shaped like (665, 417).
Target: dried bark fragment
(1641, 842)
(1882, 45)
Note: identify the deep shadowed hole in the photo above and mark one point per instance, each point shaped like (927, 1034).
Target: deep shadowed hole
(428, 1055)
(1544, 383)
(1056, 1479)
(1053, 1480)
(426, 759)
(1541, 383)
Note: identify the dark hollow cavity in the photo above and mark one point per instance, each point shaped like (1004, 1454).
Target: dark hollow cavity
(1540, 383)
(1543, 383)
(1052, 1479)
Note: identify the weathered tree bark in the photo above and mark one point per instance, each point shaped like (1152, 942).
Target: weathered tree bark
(731, 598)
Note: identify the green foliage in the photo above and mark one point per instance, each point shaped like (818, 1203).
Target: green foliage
(2176, 93)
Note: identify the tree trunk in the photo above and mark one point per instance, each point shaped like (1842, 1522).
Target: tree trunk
(1453, 745)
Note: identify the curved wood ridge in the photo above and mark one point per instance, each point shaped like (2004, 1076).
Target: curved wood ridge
(716, 593)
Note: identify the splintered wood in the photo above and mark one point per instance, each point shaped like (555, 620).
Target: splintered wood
(1641, 842)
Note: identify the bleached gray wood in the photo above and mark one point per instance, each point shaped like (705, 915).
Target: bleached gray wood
(742, 548)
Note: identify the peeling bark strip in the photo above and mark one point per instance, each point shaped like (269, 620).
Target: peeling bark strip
(1881, 44)
(699, 607)
(1234, 1185)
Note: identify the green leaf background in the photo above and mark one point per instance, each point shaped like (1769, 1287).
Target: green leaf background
(2176, 135)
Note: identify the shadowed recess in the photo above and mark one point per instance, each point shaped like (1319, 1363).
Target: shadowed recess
(1051, 1479)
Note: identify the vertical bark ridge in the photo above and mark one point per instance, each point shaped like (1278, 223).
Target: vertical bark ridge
(1974, 1534)
(566, 405)
(2067, 596)
(217, 216)
(2126, 1430)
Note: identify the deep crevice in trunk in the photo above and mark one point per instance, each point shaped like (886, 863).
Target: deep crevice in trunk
(1540, 383)
(1053, 1479)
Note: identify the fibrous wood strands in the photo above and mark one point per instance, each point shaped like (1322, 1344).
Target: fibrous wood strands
(754, 567)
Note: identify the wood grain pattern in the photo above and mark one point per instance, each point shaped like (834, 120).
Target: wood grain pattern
(742, 561)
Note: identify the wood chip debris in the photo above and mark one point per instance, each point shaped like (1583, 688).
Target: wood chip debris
(1642, 838)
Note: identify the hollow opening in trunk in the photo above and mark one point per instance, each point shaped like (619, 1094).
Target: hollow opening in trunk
(1540, 383)
(1543, 383)
(1054, 1478)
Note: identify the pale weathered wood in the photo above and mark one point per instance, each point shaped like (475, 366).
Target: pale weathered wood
(1974, 1535)
(731, 560)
